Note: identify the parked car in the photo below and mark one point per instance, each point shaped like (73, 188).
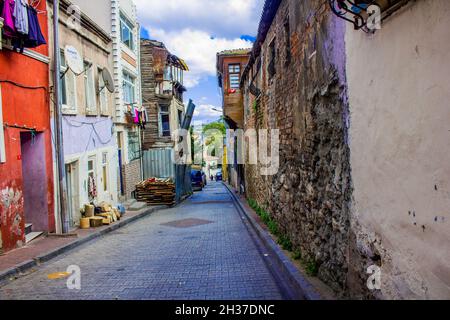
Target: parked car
(219, 176)
(205, 179)
(197, 180)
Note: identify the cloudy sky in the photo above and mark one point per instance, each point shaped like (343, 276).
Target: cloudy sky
(195, 30)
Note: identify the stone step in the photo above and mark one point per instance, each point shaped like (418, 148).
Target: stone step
(28, 228)
(129, 203)
(137, 206)
(32, 236)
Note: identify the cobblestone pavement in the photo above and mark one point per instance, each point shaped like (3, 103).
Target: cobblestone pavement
(198, 250)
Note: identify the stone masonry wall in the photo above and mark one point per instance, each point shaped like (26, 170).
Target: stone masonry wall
(132, 176)
(310, 195)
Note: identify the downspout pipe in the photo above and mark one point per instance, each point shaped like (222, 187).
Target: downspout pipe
(60, 163)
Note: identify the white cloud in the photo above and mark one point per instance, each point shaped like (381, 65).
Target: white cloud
(205, 113)
(198, 49)
(221, 18)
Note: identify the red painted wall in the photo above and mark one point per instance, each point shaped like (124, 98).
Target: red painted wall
(30, 108)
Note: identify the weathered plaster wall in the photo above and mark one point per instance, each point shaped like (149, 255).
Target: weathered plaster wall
(399, 137)
(23, 107)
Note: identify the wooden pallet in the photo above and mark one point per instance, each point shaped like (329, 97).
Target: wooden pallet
(156, 191)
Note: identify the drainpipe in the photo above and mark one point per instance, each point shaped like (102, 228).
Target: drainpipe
(60, 163)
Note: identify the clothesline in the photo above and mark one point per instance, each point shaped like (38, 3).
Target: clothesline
(21, 23)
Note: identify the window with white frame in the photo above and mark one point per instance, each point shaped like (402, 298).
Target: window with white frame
(126, 32)
(164, 121)
(89, 87)
(105, 175)
(129, 88)
(234, 71)
(103, 97)
(67, 86)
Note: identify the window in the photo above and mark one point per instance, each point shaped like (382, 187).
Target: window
(134, 151)
(180, 118)
(234, 71)
(167, 73)
(164, 121)
(105, 171)
(126, 32)
(89, 87)
(91, 183)
(67, 86)
(103, 98)
(129, 90)
(272, 59)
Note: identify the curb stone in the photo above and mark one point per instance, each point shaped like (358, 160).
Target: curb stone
(29, 264)
(300, 287)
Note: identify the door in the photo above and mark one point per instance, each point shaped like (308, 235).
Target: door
(120, 153)
(73, 194)
(34, 179)
(106, 194)
(92, 179)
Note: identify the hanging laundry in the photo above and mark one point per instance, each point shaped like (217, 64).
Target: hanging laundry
(92, 188)
(21, 16)
(35, 37)
(136, 115)
(142, 117)
(9, 28)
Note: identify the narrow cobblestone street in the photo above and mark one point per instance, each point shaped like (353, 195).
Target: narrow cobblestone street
(198, 250)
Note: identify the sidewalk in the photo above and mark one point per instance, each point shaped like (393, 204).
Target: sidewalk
(17, 261)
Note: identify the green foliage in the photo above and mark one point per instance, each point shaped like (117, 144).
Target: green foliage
(218, 125)
(285, 242)
(255, 106)
(271, 224)
(297, 255)
(310, 265)
(252, 203)
(312, 268)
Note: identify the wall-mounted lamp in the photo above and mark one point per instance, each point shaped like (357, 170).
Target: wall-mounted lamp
(365, 15)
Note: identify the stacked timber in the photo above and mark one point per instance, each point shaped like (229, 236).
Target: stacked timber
(156, 191)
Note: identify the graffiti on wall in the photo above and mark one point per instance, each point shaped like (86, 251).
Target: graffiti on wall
(11, 213)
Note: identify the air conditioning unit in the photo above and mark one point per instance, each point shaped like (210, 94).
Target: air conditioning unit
(1, 31)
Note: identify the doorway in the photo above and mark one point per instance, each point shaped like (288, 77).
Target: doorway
(120, 154)
(73, 197)
(34, 177)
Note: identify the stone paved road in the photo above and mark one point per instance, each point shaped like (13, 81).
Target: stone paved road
(198, 250)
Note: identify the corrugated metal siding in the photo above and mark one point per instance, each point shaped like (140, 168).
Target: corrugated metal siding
(158, 163)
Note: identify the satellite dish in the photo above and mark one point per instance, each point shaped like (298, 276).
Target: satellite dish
(107, 80)
(74, 60)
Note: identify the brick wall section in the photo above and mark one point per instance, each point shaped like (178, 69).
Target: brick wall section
(306, 100)
(132, 176)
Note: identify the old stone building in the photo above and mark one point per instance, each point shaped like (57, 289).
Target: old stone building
(356, 188)
(295, 83)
